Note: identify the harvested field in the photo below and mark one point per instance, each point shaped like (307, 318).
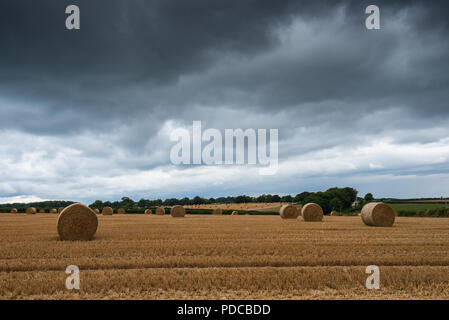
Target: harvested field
(247, 257)
(268, 206)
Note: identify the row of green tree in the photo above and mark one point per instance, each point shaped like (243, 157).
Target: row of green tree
(339, 199)
(332, 199)
(38, 205)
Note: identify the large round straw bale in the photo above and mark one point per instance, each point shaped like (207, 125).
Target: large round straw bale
(121, 211)
(107, 211)
(97, 211)
(235, 213)
(31, 210)
(288, 212)
(335, 213)
(217, 211)
(312, 212)
(178, 211)
(42, 211)
(77, 222)
(378, 214)
(160, 211)
(60, 209)
(148, 211)
(14, 210)
(53, 211)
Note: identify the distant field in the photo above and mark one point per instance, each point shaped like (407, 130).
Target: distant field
(267, 206)
(225, 257)
(416, 206)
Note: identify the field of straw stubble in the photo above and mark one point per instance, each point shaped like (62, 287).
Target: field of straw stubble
(225, 257)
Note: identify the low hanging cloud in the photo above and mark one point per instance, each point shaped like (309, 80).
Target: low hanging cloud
(87, 114)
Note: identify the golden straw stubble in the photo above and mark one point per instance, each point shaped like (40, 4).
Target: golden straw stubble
(178, 212)
(312, 212)
(77, 222)
(378, 214)
(288, 211)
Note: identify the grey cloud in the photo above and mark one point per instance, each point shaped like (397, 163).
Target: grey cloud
(107, 90)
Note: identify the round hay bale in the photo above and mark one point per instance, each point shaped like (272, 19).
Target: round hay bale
(334, 213)
(312, 212)
(217, 211)
(288, 212)
(160, 211)
(107, 211)
(42, 211)
(77, 222)
(60, 209)
(235, 213)
(31, 210)
(378, 214)
(121, 211)
(148, 211)
(53, 211)
(14, 210)
(97, 211)
(178, 212)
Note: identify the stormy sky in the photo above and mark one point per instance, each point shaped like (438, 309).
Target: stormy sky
(87, 114)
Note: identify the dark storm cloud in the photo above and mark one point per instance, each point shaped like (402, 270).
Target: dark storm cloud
(137, 67)
(123, 45)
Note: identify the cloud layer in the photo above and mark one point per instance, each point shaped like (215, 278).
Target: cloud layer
(87, 114)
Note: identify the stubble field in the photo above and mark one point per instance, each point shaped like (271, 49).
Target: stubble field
(225, 257)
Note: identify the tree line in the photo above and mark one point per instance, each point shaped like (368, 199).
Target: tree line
(339, 199)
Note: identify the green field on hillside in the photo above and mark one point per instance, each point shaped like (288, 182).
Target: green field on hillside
(416, 206)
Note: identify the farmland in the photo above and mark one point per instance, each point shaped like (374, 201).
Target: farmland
(225, 257)
(416, 206)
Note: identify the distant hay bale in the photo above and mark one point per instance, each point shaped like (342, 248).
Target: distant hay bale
(14, 210)
(160, 211)
(148, 211)
(121, 211)
(334, 213)
(378, 214)
(288, 212)
(107, 211)
(312, 212)
(235, 213)
(42, 211)
(77, 222)
(97, 211)
(178, 212)
(31, 210)
(60, 209)
(217, 211)
(53, 211)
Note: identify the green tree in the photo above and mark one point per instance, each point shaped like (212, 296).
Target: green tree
(368, 197)
(198, 200)
(335, 204)
(301, 196)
